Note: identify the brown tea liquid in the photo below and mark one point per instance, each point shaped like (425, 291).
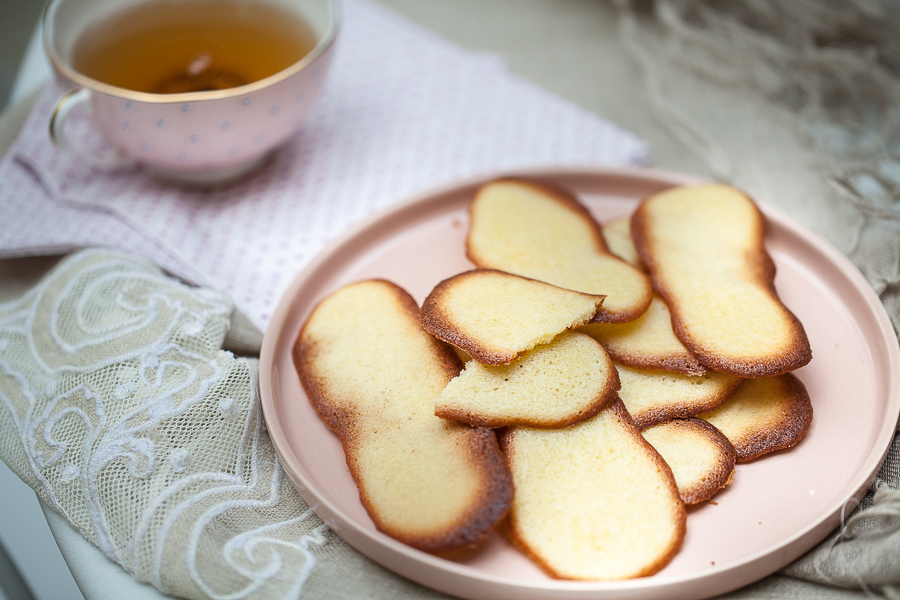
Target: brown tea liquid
(172, 46)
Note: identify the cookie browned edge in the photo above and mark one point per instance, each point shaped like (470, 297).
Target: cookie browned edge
(478, 522)
(435, 321)
(675, 364)
(571, 202)
(722, 474)
(660, 415)
(610, 393)
(508, 528)
(795, 424)
(765, 269)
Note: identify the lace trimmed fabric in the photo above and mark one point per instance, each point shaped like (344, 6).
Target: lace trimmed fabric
(124, 414)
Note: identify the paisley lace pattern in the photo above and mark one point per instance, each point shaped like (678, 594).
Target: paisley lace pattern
(122, 411)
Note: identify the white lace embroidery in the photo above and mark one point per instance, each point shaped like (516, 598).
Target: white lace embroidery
(121, 410)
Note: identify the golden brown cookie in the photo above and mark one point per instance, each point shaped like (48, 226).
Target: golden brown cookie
(648, 342)
(653, 397)
(552, 385)
(701, 457)
(704, 249)
(617, 235)
(764, 415)
(593, 501)
(496, 316)
(544, 233)
(373, 375)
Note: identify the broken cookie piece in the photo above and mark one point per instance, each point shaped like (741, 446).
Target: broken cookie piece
(553, 385)
(496, 316)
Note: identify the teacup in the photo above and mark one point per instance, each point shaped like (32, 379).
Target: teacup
(213, 133)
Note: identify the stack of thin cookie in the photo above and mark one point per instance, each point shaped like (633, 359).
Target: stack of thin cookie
(612, 376)
(703, 249)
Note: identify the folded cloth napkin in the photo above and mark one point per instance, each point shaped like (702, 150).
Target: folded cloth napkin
(402, 111)
(123, 412)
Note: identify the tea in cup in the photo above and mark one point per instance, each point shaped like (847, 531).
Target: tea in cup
(195, 90)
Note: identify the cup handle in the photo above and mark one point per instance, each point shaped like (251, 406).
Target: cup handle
(68, 102)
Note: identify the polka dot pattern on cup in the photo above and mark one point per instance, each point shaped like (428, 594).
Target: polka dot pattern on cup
(253, 124)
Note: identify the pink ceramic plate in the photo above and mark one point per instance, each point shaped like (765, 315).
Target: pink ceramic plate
(777, 507)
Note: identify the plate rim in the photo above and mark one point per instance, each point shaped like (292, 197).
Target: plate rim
(363, 539)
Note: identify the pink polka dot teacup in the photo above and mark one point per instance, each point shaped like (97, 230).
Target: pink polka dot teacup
(196, 91)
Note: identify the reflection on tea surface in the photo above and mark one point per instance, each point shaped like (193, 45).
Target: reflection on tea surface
(172, 46)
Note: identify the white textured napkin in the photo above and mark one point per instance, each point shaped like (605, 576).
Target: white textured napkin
(403, 111)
